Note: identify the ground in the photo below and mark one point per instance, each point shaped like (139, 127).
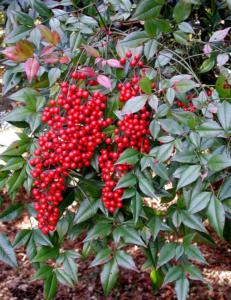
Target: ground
(18, 285)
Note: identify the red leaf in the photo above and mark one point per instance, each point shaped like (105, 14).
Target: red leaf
(51, 58)
(64, 60)
(31, 67)
(20, 52)
(88, 72)
(114, 63)
(47, 50)
(104, 81)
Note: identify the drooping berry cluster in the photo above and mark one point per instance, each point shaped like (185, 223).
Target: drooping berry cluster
(75, 122)
(131, 132)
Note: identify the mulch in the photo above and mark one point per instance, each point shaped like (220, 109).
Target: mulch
(18, 284)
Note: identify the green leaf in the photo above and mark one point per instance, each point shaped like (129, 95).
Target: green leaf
(157, 278)
(185, 85)
(171, 126)
(154, 128)
(207, 65)
(181, 11)
(146, 186)
(194, 253)
(50, 287)
(46, 253)
(64, 278)
(19, 33)
(199, 202)
(12, 212)
(136, 207)
(170, 95)
(99, 230)
(148, 9)
(70, 267)
(14, 163)
(135, 39)
(146, 85)
(109, 276)
(102, 257)
(192, 221)
(86, 210)
(16, 180)
(43, 272)
(125, 260)
(134, 104)
(129, 156)
(24, 18)
(225, 191)
(210, 129)
(189, 175)
(53, 75)
(219, 162)
(173, 274)
(167, 252)
(7, 254)
(21, 238)
(194, 272)
(224, 115)
(127, 180)
(164, 151)
(182, 288)
(150, 48)
(41, 8)
(216, 215)
(160, 170)
(130, 235)
(181, 37)
(40, 238)
(186, 27)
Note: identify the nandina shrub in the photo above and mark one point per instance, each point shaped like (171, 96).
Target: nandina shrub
(124, 111)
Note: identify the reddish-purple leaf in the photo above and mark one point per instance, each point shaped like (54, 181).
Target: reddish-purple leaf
(219, 35)
(10, 53)
(64, 59)
(51, 58)
(31, 67)
(207, 49)
(47, 50)
(88, 72)
(114, 63)
(104, 81)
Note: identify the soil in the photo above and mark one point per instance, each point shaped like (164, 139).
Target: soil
(18, 285)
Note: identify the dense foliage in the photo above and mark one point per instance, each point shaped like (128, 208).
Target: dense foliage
(124, 110)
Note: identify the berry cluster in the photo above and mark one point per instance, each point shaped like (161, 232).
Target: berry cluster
(133, 61)
(190, 106)
(75, 122)
(131, 132)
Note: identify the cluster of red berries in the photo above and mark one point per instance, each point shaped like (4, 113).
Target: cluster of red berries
(129, 89)
(133, 61)
(75, 122)
(190, 107)
(131, 132)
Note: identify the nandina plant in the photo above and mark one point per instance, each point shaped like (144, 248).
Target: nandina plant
(124, 111)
